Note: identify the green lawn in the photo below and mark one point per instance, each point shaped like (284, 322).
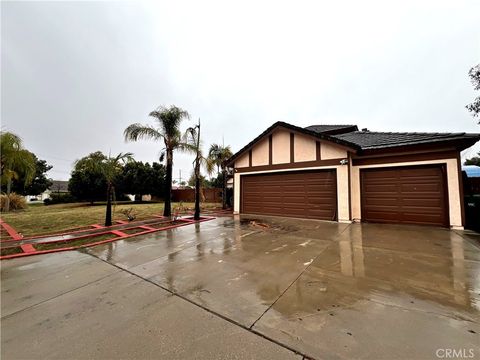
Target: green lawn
(39, 219)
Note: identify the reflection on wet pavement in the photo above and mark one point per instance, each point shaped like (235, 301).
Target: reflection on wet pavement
(326, 289)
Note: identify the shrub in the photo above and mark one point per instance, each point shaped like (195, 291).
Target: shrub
(17, 202)
(57, 198)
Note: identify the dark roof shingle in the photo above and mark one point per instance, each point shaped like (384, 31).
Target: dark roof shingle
(377, 140)
(59, 186)
(332, 129)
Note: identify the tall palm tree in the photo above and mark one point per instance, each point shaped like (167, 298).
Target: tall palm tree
(110, 167)
(193, 144)
(219, 154)
(167, 128)
(14, 159)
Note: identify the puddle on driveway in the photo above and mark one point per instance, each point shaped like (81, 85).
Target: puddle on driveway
(357, 284)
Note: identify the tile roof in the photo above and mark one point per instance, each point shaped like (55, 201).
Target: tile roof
(59, 186)
(332, 129)
(377, 140)
(350, 137)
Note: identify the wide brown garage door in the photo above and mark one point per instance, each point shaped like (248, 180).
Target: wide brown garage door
(305, 194)
(413, 195)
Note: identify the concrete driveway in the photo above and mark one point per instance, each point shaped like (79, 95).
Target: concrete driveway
(230, 288)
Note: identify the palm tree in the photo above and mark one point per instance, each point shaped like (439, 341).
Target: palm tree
(14, 160)
(168, 129)
(219, 154)
(192, 143)
(110, 168)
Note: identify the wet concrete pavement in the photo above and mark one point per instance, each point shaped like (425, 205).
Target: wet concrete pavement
(229, 289)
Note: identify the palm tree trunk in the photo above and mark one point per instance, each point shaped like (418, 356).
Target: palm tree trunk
(196, 216)
(224, 188)
(108, 215)
(7, 200)
(167, 211)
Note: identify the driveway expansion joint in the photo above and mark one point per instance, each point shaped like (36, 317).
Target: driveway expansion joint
(249, 329)
(295, 280)
(57, 296)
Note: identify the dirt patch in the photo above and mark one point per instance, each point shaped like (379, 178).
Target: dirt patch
(161, 225)
(11, 251)
(71, 243)
(267, 225)
(133, 231)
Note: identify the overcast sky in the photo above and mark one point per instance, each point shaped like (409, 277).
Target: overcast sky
(75, 74)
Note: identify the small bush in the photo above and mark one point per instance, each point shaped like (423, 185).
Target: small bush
(17, 202)
(56, 198)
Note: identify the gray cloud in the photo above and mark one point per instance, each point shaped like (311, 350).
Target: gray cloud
(75, 74)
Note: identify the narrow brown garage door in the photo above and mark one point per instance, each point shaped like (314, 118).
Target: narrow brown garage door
(306, 194)
(413, 195)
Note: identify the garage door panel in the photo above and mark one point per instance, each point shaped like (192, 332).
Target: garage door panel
(307, 194)
(386, 188)
(433, 203)
(416, 195)
(422, 218)
(429, 187)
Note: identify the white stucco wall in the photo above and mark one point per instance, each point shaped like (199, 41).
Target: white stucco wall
(260, 153)
(329, 151)
(242, 161)
(454, 201)
(280, 147)
(304, 148)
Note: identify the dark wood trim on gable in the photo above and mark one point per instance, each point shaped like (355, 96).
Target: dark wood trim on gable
(286, 166)
(292, 147)
(318, 150)
(270, 149)
(449, 154)
(250, 158)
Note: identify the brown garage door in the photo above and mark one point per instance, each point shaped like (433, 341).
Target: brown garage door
(306, 194)
(413, 195)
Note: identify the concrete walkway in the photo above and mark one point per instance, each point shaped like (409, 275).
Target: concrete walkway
(229, 288)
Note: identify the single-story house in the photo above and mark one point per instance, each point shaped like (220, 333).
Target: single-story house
(336, 172)
(57, 187)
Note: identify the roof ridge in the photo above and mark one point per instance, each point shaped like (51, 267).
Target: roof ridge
(406, 132)
(331, 125)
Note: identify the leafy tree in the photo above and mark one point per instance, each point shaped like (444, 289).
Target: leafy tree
(109, 168)
(141, 179)
(473, 161)
(474, 75)
(159, 180)
(193, 144)
(87, 183)
(216, 182)
(39, 183)
(203, 181)
(14, 160)
(167, 129)
(219, 154)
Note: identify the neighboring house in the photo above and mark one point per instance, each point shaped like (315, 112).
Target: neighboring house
(335, 172)
(471, 171)
(58, 187)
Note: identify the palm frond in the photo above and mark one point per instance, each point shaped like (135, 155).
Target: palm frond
(138, 131)
(169, 119)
